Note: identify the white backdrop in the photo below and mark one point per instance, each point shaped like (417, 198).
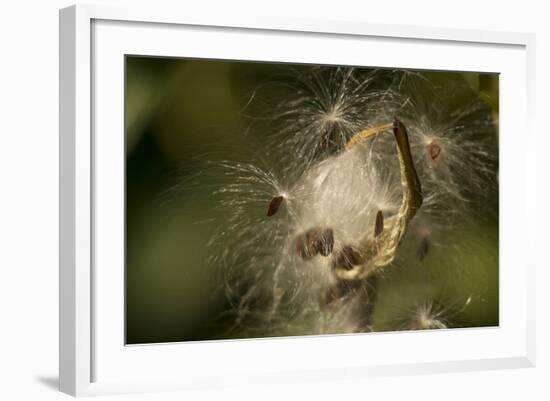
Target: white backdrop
(28, 202)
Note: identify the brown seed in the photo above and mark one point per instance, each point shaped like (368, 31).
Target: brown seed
(423, 248)
(328, 134)
(434, 150)
(325, 242)
(332, 294)
(308, 243)
(340, 291)
(314, 241)
(274, 205)
(379, 223)
(304, 248)
(346, 258)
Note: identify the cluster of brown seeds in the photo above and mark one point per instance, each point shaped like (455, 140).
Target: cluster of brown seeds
(317, 241)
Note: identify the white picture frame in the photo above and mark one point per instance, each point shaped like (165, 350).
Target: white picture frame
(93, 357)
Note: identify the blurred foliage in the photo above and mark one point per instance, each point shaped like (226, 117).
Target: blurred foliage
(180, 111)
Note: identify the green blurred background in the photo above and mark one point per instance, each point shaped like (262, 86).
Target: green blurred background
(180, 112)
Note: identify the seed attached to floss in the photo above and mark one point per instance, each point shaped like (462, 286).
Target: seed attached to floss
(434, 150)
(332, 294)
(379, 223)
(340, 291)
(303, 248)
(315, 241)
(274, 205)
(423, 248)
(328, 142)
(325, 243)
(346, 258)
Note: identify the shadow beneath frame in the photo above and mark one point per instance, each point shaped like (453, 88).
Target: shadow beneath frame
(52, 382)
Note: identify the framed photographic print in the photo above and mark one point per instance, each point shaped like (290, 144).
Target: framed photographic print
(262, 200)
